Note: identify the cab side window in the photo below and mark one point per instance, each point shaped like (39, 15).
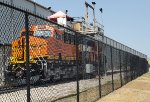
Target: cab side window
(58, 36)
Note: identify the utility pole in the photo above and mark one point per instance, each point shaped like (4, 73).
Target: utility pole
(94, 16)
(66, 17)
(86, 16)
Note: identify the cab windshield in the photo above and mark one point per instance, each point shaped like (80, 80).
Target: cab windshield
(43, 33)
(24, 33)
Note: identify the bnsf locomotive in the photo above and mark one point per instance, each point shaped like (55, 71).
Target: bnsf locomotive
(52, 54)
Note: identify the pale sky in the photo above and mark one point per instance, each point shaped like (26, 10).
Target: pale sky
(126, 21)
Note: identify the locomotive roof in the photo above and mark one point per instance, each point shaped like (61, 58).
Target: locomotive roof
(43, 27)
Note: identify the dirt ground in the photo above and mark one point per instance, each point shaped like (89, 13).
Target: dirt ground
(137, 90)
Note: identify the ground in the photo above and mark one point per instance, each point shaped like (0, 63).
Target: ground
(137, 90)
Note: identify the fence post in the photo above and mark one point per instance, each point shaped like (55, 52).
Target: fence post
(120, 67)
(3, 62)
(77, 66)
(27, 56)
(112, 69)
(131, 67)
(126, 57)
(99, 66)
(134, 67)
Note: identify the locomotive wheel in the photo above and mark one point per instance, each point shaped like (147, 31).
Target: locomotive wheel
(19, 72)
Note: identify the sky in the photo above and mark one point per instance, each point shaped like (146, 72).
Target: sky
(126, 21)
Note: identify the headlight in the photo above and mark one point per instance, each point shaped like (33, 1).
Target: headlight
(30, 58)
(12, 58)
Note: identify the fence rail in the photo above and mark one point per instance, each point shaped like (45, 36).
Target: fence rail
(43, 61)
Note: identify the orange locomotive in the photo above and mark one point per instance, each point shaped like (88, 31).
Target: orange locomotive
(51, 56)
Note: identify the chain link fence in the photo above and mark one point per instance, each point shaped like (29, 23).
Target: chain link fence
(41, 61)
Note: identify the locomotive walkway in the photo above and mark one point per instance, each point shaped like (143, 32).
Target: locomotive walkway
(137, 90)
